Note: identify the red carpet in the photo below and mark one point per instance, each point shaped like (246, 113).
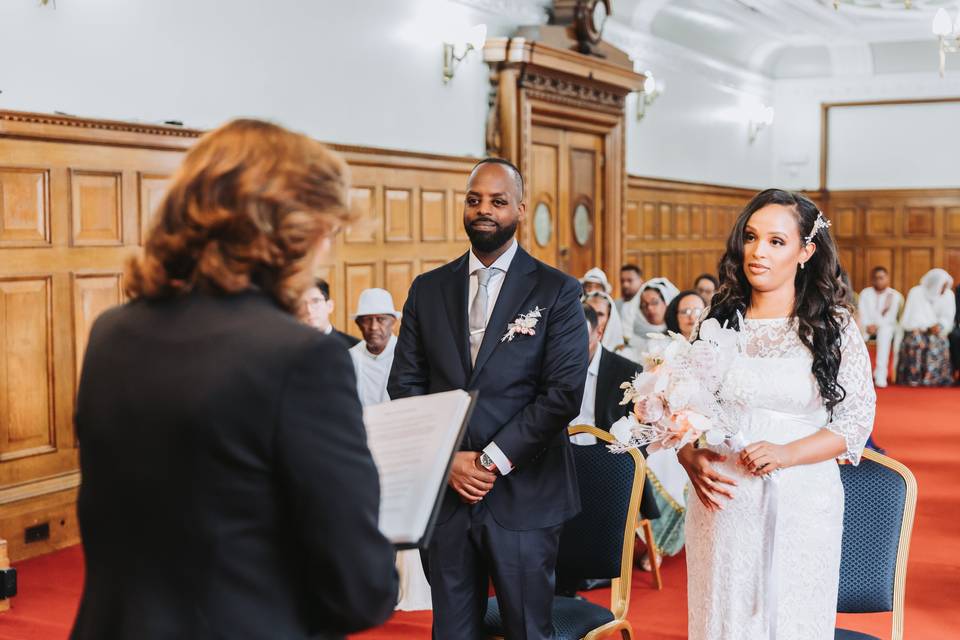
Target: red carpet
(919, 427)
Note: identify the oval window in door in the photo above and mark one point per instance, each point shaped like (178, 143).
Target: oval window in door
(582, 225)
(542, 224)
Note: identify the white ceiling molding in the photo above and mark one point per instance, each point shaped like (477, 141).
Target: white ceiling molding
(651, 52)
(523, 12)
(870, 87)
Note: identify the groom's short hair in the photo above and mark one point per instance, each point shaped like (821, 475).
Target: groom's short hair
(517, 178)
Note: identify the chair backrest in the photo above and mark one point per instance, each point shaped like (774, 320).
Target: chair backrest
(880, 500)
(594, 542)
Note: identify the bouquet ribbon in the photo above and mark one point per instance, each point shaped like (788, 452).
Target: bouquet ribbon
(765, 596)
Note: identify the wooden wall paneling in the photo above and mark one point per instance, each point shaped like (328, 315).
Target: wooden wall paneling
(544, 195)
(366, 229)
(951, 262)
(649, 264)
(151, 189)
(634, 229)
(459, 232)
(24, 207)
(97, 206)
(952, 221)
(844, 221)
(430, 265)
(398, 215)
(682, 218)
(880, 221)
(697, 221)
(357, 277)
(433, 216)
(93, 293)
(650, 220)
(916, 262)
(666, 220)
(397, 276)
(918, 221)
(26, 371)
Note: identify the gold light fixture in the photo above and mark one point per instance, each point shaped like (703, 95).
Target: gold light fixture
(948, 33)
(652, 88)
(461, 44)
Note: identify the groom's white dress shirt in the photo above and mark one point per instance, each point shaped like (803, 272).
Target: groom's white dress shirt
(499, 273)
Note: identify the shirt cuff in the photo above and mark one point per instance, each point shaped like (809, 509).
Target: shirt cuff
(503, 463)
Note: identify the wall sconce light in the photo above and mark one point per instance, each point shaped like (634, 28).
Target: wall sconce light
(462, 43)
(652, 88)
(761, 117)
(948, 33)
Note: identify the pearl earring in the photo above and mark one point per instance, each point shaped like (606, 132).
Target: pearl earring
(802, 264)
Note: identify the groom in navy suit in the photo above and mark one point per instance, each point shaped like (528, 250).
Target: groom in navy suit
(512, 485)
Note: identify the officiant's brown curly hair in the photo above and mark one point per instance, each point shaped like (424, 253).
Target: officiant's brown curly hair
(246, 208)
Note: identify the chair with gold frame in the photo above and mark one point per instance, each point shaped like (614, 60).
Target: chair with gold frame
(880, 502)
(597, 543)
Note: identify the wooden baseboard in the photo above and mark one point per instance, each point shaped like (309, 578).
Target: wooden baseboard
(4, 564)
(57, 510)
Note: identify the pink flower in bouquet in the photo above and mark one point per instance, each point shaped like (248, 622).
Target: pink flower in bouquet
(686, 426)
(649, 409)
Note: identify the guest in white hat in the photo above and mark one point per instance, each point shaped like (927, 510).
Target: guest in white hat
(373, 357)
(595, 280)
(596, 293)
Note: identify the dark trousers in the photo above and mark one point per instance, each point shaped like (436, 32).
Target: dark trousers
(469, 549)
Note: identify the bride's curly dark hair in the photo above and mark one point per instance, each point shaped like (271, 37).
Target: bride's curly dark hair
(821, 295)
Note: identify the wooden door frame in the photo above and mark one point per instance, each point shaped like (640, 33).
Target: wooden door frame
(536, 84)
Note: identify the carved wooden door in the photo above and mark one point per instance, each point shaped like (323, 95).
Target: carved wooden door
(566, 198)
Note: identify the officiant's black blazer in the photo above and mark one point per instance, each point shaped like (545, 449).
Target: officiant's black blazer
(529, 388)
(227, 490)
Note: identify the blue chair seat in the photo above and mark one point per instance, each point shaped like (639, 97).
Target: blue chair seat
(846, 634)
(572, 618)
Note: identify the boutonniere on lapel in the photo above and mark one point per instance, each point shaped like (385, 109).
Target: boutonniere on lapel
(524, 324)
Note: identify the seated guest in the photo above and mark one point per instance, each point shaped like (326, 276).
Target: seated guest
(601, 407)
(631, 279)
(373, 357)
(606, 310)
(595, 281)
(684, 312)
(315, 309)
(928, 316)
(705, 286)
(227, 486)
(654, 298)
(878, 308)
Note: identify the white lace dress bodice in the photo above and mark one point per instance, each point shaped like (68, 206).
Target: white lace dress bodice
(772, 381)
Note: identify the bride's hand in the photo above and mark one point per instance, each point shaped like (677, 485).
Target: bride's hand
(761, 458)
(708, 484)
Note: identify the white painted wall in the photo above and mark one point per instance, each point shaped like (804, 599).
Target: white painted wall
(364, 72)
(796, 139)
(697, 131)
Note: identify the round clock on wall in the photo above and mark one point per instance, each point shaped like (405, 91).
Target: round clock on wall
(587, 18)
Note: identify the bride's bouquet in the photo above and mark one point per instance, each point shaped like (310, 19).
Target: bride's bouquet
(676, 398)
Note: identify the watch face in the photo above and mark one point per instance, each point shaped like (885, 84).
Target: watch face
(599, 15)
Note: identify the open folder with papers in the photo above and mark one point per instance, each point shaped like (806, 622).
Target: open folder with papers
(413, 441)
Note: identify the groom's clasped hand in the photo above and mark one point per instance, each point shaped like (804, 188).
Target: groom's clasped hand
(470, 480)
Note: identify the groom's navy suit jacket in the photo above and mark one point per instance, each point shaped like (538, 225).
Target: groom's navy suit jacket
(529, 388)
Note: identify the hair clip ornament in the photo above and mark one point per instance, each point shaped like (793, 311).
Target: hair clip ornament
(819, 223)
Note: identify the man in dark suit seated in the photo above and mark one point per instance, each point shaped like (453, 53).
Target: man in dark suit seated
(601, 408)
(315, 309)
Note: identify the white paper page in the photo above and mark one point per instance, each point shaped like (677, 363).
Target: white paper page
(412, 440)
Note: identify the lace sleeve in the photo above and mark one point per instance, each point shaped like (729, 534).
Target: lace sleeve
(853, 417)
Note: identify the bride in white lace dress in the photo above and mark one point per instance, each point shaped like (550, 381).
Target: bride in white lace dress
(763, 548)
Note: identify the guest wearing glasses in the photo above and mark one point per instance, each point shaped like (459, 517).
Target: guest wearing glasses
(683, 312)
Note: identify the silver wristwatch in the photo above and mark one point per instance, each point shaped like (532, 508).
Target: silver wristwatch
(487, 462)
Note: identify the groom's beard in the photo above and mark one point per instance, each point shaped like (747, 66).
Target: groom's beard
(490, 241)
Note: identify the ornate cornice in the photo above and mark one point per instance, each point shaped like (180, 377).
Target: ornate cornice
(90, 123)
(570, 91)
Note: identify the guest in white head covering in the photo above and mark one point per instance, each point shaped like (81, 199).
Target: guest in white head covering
(654, 298)
(597, 287)
(373, 357)
(927, 318)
